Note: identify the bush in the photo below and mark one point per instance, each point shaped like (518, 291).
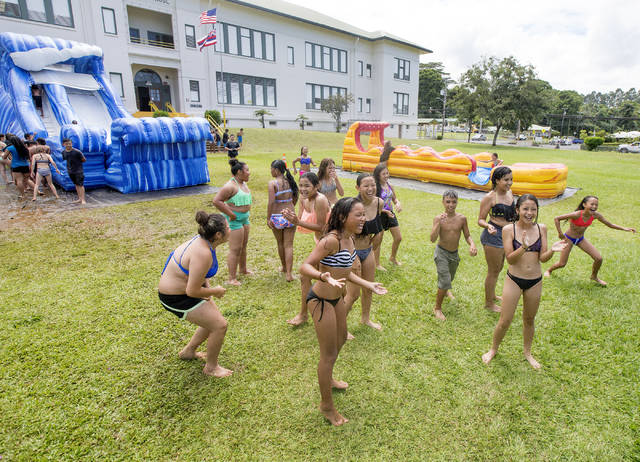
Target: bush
(160, 114)
(215, 115)
(592, 142)
(439, 137)
(583, 134)
(601, 133)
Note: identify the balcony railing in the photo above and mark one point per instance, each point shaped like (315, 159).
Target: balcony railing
(153, 43)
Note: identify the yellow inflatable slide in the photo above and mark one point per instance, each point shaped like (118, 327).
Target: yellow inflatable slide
(448, 167)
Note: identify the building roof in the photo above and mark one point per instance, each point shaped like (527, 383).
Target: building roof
(300, 13)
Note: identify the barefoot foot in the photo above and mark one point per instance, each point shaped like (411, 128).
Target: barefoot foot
(297, 320)
(370, 323)
(247, 272)
(234, 282)
(339, 384)
(488, 356)
(187, 354)
(216, 371)
(290, 278)
(350, 336)
(439, 315)
(333, 416)
(395, 262)
(381, 268)
(494, 308)
(497, 298)
(599, 281)
(535, 364)
(450, 295)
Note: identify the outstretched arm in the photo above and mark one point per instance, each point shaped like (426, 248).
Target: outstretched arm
(375, 287)
(603, 220)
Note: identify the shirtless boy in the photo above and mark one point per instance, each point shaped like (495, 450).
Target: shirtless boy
(447, 228)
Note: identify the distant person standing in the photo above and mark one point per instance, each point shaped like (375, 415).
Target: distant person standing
(240, 136)
(5, 164)
(75, 159)
(225, 137)
(232, 147)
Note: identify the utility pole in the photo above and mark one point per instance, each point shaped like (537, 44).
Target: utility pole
(564, 113)
(443, 92)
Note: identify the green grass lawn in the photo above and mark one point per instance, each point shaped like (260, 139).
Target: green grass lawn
(88, 364)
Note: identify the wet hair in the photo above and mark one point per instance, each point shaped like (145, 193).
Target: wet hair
(377, 173)
(19, 146)
(584, 201)
(324, 166)
(236, 166)
(522, 199)
(498, 173)
(450, 193)
(29, 143)
(386, 151)
(64, 140)
(28, 134)
(41, 141)
(339, 214)
(494, 154)
(281, 166)
(1, 136)
(302, 149)
(210, 224)
(312, 177)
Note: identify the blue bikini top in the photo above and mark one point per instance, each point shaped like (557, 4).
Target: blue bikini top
(214, 264)
(305, 160)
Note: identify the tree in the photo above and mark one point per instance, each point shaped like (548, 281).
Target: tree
(336, 105)
(301, 118)
(506, 92)
(468, 98)
(260, 113)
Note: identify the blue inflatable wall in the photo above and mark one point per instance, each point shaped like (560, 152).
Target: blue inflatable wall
(139, 155)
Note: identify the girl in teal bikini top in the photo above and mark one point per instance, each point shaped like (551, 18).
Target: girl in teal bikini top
(241, 198)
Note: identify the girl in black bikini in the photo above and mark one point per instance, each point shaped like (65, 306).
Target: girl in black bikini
(184, 290)
(525, 246)
(580, 220)
(366, 265)
(500, 207)
(283, 195)
(330, 264)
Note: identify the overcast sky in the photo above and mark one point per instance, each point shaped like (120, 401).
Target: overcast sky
(574, 45)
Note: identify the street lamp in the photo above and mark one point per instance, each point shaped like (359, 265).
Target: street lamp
(564, 113)
(443, 93)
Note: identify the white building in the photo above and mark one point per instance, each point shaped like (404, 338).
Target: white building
(270, 55)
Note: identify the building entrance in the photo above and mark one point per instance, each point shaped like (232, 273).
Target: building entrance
(149, 87)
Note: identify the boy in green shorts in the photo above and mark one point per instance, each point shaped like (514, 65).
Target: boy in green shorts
(446, 229)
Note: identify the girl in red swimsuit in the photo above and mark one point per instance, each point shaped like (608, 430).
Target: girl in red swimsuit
(580, 220)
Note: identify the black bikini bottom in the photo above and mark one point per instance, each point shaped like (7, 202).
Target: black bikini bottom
(312, 296)
(524, 284)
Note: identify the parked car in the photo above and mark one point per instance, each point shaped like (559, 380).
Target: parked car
(633, 147)
(522, 137)
(478, 137)
(578, 141)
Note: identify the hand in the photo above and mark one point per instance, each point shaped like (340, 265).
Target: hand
(290, 216)
(525, 242)
(443, 217)
(633, 230)
(389, 213)
(398, 206)
(559, 246)
(560, 235)
(472, 250)
(333, 174)
(232, 216)
(269, 224)
(219, 291)
(377, 288)
(295, 171)
(491, 229)
(326, 278)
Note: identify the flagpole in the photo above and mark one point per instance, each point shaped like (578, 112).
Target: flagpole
(221, 52)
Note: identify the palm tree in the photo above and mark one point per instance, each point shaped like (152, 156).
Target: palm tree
(301, 118)
(260, 113)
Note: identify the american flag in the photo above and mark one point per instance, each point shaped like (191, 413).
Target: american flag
(210, 39)
(208, 17)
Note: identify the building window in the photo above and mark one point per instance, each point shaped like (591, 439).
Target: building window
(245, 90)
(403, 68)
(360, 68)
(194, 91)
(190, 35)
(158, 39)
(290, 56)
(401, 103)
(109, 21)
(134, 35)
(315, 93)
(273, 123)
(242, 41)
(50, 11)
(367, 106)
(359, 104)
(368, 74)
(327, 58)
(116, 81)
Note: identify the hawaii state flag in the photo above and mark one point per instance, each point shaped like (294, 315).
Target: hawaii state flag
(210, 39)
(208, 17)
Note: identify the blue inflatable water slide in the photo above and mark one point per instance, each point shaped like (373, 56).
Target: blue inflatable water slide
(123, 152)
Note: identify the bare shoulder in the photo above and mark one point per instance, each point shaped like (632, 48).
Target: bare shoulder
(330, 242)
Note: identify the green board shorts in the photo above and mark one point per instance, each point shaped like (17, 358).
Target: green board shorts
(242, 219)
(446, 265)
